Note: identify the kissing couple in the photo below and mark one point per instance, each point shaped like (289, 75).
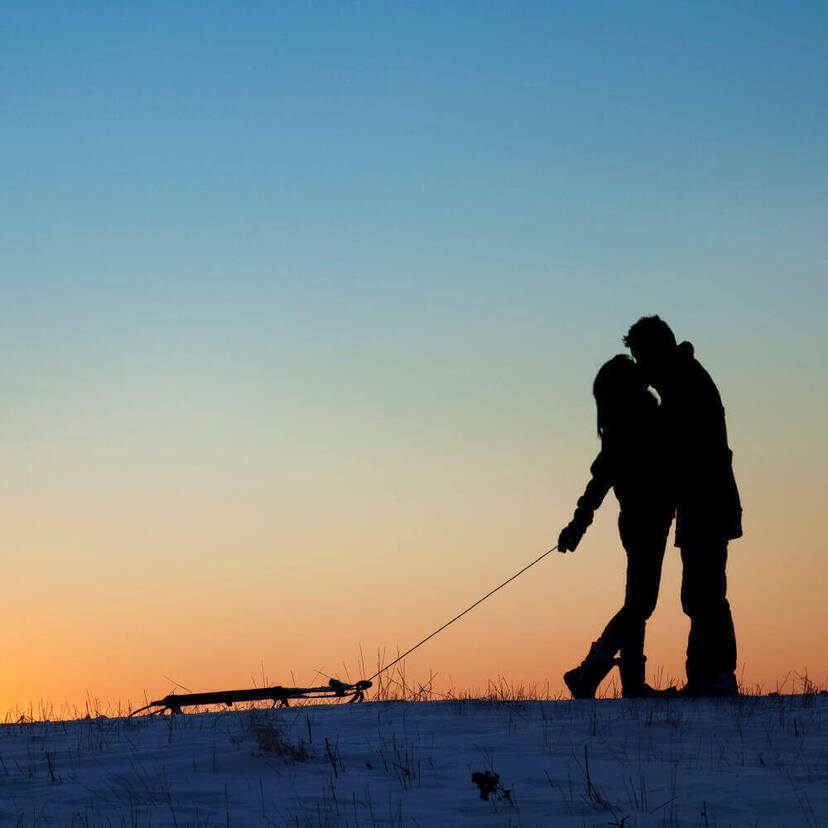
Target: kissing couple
(663, 456)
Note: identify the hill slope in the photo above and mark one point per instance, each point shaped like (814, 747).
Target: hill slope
(750, 761)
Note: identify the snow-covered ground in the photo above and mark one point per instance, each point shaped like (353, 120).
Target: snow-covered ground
(751, 761)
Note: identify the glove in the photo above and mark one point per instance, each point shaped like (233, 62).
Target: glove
(571, 536)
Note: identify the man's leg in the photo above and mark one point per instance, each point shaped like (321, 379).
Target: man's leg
(711, 647)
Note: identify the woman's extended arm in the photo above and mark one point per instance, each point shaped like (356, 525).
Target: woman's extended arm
(593, 496)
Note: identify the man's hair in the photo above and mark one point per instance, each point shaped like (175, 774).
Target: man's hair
(650, 332)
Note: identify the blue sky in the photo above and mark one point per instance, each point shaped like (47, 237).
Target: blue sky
(296, 174)
(378, 194)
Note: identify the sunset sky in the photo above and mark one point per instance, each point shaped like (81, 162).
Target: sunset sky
(301, 307)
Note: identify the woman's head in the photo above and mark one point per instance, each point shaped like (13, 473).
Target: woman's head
(619, 388)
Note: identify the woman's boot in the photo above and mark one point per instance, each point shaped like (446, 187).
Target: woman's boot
(631, 668)
(633, 685)
(583, 680)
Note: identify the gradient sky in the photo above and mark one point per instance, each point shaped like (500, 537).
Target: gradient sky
(301, 307)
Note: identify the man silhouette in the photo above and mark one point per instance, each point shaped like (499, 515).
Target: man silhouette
(708, 512)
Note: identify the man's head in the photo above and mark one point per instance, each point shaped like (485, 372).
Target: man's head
(653, 345)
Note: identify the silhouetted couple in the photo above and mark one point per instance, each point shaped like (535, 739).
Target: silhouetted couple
(662, 459)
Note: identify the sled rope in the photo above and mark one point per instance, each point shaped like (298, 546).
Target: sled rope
(174, 702)
(468, 609)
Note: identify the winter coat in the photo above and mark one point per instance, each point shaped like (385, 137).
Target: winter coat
(699, 458)
(632, 463)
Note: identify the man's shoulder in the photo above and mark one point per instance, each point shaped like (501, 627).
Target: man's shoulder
(694, 376)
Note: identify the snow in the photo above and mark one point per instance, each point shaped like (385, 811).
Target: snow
(754, 760)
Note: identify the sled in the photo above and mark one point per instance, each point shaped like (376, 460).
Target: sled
(334, 689)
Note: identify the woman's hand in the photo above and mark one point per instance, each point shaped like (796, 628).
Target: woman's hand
(571, 536)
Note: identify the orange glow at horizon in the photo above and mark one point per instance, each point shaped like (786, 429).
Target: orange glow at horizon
(214, 592)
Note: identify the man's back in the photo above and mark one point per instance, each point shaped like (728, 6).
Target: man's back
(700, 458)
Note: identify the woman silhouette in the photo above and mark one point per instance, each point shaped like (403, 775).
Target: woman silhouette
(632, 462)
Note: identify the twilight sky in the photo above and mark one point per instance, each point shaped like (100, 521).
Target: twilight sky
(301, 307)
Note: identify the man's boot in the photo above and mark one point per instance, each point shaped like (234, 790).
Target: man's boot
(723, 684)
(583, 680)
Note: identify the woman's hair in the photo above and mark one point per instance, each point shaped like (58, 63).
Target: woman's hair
(619, 389)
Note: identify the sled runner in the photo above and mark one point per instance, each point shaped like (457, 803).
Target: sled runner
(334, 689)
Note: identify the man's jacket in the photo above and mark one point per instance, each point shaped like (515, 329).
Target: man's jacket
(700, 460)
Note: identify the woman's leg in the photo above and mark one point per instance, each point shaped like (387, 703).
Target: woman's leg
(644, 536)
(625, 630)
